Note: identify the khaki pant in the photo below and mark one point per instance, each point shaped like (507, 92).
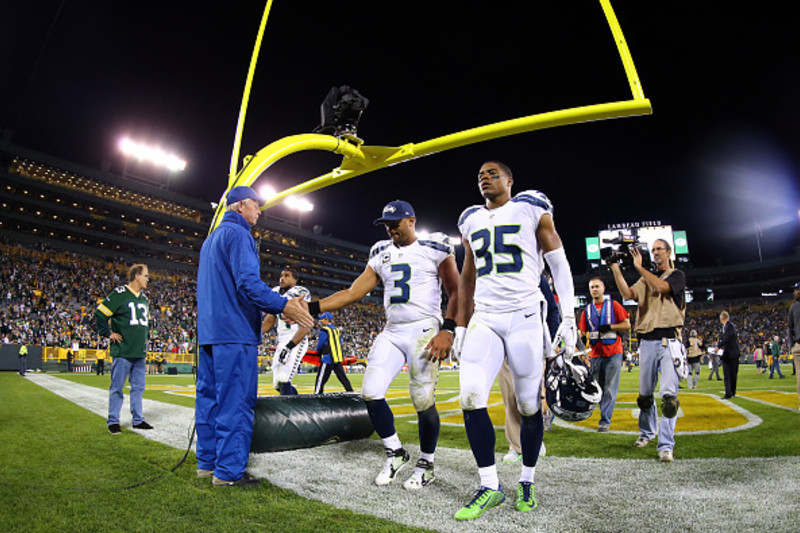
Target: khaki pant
(513, 418)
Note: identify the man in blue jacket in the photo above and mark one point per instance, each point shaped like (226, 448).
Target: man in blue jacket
(230, 301)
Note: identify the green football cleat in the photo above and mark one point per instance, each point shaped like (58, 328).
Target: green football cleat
(482, 500)
(526, 497)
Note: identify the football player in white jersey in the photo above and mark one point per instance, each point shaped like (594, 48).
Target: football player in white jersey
(413, 272)
(505, 242)
(292, 339)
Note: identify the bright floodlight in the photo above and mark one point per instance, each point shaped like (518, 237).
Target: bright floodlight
(266, 192)
(153, 154)
(424, 234)
(299, 204)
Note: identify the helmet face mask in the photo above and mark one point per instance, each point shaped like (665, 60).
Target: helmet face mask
(571, 391)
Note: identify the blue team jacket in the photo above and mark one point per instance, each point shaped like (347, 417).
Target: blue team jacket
(230, 294)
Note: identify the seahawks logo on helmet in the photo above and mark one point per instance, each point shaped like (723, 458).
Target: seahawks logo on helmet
(571, 391)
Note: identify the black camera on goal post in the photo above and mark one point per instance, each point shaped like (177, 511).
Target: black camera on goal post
(341, 110)
(620, 248)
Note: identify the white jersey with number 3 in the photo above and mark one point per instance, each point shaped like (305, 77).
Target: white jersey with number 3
(285, 330)
(412, 289)
(508, 262)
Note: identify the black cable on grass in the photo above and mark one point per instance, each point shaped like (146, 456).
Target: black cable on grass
(191, 434)
(136, 485)
(174, 468)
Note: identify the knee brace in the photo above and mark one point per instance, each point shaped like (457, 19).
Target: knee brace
(669, 406)
(645, 402)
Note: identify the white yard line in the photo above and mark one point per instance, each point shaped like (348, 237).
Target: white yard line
(574, 494)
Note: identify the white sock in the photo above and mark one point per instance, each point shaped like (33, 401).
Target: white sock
(489, 477)
(428, 457)
(392, 442)
(527, 474)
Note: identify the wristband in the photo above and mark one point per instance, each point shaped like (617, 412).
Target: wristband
(291, 345)
(313, 308)
(449, 325)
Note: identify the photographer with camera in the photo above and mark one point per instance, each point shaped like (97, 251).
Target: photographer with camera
(659, 319)
(602, 323)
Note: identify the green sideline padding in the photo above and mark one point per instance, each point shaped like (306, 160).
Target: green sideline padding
(307, 420)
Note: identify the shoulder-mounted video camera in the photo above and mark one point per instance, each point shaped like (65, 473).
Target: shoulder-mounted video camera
(619, 250)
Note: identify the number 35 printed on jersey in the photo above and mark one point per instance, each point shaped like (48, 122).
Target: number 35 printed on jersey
(493, 243)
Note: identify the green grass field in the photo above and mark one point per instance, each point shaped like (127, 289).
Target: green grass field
(62, 471)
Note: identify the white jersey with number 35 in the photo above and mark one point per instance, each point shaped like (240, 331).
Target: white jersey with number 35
(412, 289)
(508, 262)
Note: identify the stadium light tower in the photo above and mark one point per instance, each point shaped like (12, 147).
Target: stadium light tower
(152, 154)
(301, 205)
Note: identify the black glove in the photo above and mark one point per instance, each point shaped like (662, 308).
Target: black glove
(285, 352)
(604, 328)
(283, 355)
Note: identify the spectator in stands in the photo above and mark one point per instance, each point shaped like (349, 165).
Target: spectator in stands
(729, 344)
(232, 298)
(775, 349)
(128, 310)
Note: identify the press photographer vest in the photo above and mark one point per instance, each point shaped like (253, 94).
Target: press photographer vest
(594, 320)
(694, 348)
(657, 311)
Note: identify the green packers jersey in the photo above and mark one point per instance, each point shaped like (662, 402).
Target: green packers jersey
(129, 315)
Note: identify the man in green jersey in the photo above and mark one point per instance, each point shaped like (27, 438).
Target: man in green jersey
(129, 312)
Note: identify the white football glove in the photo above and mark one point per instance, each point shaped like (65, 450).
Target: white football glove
(580, 372)
(458, 341)
(568, 333)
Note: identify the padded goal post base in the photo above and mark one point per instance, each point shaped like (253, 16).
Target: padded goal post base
(307, 420)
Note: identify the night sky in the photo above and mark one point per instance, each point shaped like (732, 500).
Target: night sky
(718, 158)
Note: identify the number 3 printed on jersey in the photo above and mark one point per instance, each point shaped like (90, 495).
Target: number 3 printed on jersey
(401, 284)
(493, 242)
(135, 320)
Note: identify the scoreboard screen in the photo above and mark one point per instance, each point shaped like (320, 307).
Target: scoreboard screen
(618, 234)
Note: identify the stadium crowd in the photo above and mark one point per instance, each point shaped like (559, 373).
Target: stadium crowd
(757, 324)
(48, 298)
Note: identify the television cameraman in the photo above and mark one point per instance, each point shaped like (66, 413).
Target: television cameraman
(659, 319)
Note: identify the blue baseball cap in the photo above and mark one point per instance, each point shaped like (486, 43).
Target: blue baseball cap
(796, 286)
(325, 316)
(242, 192)
(395, 211)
